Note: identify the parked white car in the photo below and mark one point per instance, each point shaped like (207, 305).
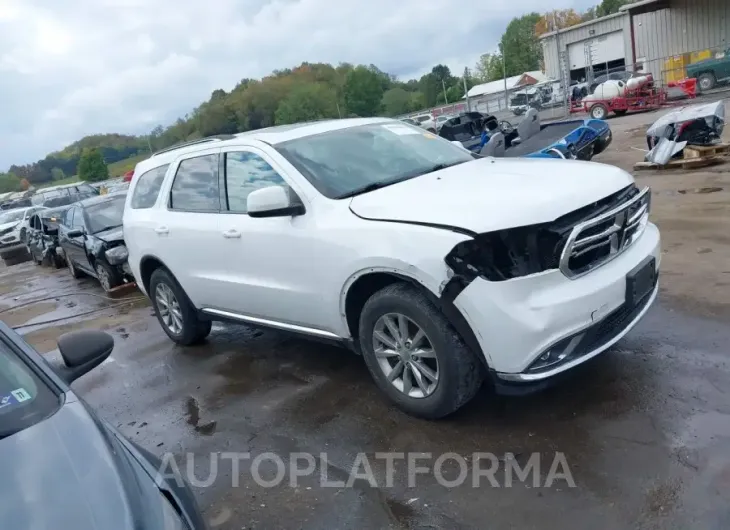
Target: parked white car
(426, 121)
(14, 227)
(440, 267)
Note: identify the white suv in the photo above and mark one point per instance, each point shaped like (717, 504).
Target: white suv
(440, 267)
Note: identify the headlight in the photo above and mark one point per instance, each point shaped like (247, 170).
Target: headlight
(507, 254)
(171, 520)
(117, 255)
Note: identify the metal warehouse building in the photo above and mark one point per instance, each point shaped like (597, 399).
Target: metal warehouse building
(657, 36)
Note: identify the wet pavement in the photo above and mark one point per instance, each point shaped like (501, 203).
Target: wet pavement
(645, 428)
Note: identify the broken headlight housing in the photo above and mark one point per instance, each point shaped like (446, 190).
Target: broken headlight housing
(506, 254)
(117, 255)
(515, 252)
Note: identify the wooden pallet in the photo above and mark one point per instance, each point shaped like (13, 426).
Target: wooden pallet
(694, 163)
(694, 157)
(702, 151)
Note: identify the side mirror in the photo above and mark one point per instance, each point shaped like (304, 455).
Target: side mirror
(82, 351)
(273, 201)
(76, 232)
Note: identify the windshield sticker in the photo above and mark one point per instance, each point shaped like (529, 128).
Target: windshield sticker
(21, 395)
(401, 130)
(6, 401)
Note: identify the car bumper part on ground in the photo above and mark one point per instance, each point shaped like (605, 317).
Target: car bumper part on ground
(517, 321)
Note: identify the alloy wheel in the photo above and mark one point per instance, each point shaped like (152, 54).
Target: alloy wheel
(169, 308)
(406, 355)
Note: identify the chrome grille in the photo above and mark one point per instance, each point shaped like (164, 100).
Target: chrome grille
(601, 239)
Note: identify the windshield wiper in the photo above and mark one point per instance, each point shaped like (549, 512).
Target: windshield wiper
(372, 187)
(439, 167)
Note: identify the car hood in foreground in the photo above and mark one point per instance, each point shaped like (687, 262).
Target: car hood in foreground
(11, 224)
(69, 472)
(493, 194)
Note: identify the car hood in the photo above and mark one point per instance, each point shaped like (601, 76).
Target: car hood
(69, 472)
(111, 236)
(493, 194)
(5, 226)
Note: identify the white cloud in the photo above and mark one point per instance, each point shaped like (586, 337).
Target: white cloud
(78, 67)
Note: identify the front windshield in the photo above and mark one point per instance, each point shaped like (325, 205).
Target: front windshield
(105, 215)
(11, 216)
(341, 162)
(24, 398)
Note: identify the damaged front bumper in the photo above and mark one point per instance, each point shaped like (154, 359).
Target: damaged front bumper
(521, 320)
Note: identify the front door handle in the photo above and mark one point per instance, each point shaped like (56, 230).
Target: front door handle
(232, 234)
(162, 230)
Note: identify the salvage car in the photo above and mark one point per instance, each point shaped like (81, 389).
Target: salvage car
(711, 72)
(484, 134)
(90, 234)
(12, 224)
(63, 195)
(42, 239)
(71, 469)
(441, 267)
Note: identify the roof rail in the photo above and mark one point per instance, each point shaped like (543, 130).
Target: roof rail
(216, 138)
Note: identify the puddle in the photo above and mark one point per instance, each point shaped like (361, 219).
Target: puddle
(17, 317)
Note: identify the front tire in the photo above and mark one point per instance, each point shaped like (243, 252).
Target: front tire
(108, 277)
(175, 313)
(414, 354)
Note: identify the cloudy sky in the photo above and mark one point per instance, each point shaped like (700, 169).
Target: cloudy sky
(69, 68)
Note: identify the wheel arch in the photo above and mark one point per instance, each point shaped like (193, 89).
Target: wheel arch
(147, 265)
(366, 282)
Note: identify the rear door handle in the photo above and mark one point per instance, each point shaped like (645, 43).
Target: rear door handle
(232, 234)
(162, 230)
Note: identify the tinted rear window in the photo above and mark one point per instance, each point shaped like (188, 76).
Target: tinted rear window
(148, 187)
(195, 187)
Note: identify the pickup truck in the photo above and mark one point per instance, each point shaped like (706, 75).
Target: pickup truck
(710, 72)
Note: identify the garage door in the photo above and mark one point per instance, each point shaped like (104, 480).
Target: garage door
(603, 49)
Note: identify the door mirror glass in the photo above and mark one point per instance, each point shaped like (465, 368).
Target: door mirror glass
(273, 201)
(82, 351)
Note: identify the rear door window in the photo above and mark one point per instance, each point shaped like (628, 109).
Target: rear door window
(148, 187)
(195, 188)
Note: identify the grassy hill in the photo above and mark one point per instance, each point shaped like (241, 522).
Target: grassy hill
(117, 169)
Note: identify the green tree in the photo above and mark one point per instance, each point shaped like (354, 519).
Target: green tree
(57, 173)
(609, 7)
(363, 92)
(489, 68)
(307, 102)
(520, 46)
(9, 182)
(397, 101)
(92, 167)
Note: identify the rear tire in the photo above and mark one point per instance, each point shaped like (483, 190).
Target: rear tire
(599, 111)
(457, 370)
(175, 313)
(707, 81)
(75, 273)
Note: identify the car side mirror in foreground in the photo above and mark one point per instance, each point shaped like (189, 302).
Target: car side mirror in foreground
(273, 201)
(76, 232)
(82, 351)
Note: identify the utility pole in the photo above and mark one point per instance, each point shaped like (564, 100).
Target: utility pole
(504, 75)
(466, 89)
(443, 85)
(565, 77)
